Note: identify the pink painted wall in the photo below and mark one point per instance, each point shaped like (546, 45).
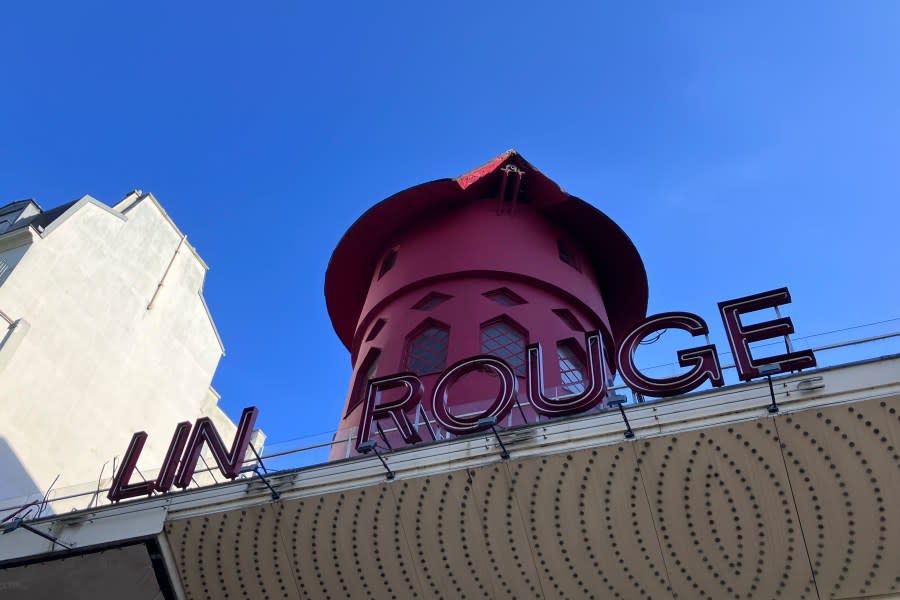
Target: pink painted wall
(463, 254)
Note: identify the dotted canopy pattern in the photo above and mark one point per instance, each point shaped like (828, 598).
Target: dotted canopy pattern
(800, 505)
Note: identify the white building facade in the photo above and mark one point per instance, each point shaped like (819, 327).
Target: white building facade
(106, 333)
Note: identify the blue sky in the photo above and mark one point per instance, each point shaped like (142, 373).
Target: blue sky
(742, 147)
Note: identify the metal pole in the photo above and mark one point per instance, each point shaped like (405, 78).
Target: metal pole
(787, 340)
(773, 408)
(390, 474)
(505, 454)
(629, 433)
(275, 495)
(383, 436)
(46, 536)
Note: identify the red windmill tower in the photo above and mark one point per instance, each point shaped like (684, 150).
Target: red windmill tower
(484, 264)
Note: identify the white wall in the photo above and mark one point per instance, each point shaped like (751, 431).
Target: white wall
(96, 365)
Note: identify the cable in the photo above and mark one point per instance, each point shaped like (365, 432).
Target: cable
(655, 339)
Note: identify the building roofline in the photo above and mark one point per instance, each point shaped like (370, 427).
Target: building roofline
(22, 201)
(136, 197)
(119, 210)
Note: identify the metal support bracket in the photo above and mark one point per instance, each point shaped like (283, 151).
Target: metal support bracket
(275, 494)
(262, 475)
(19, 523)
(629, 433)
(492, 423)
(372, 446)
(768, 371)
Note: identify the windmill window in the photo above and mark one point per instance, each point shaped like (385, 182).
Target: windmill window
(431, 301)
(504, 297)
(388, 263)
(571, 368)
(566, 255)
(376, 329)
(502, 339)
(426, 350)
(568, 318)
(367, 371)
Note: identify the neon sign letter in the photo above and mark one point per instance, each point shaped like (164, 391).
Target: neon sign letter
(229, 461)
(121, 488)
(740, 336)
(204, 431)
(594, 385)
(498, 409)
(703, 359)
(395, 409)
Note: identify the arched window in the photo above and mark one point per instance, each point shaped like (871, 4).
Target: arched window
(506, 340)
(571, 367)
(426, 348)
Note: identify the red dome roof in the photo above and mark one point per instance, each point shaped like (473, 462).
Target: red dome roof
(616, 262)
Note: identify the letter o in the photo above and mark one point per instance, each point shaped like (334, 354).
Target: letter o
(499, 408)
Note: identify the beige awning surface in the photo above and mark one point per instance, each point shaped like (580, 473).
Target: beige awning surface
(802, 505)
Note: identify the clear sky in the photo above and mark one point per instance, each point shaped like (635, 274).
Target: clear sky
(742, 147)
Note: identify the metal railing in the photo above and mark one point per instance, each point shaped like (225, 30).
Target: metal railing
(315, 449)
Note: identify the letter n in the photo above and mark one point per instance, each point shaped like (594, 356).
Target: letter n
(228, 461)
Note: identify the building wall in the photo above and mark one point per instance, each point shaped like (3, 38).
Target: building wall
(92, 364)
(461, 256)
(475, 239)
(9, 258)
